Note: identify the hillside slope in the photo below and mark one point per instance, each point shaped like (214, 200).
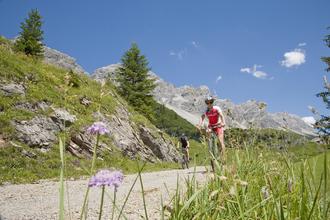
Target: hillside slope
(39, 102)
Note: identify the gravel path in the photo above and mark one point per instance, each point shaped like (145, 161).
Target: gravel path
(40, 201)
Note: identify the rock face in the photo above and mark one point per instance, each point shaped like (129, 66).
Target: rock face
(81, 145)
(40, 131)
(62, 60)
(133, 140)
(12, 89)
(33, 107)
(188, 102)
(63, 118)
(137, 140)
(103, 73)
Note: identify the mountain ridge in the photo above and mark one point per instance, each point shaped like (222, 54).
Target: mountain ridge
(188, 102)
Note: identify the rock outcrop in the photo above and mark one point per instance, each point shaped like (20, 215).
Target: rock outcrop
(62, 118)
(107, 72)
(9, 89)
(62, 60)
(137, 140)
(40, 132)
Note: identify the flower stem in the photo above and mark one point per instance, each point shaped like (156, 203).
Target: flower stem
(144, 201)
(91, 173)
(94, 153)
(114, 203)
(102, 199)
(84, 205)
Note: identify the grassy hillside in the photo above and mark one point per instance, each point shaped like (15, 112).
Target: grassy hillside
(63, 89)
(172, 123)
(47, 83)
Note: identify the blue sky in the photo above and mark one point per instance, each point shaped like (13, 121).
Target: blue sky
(267, 50)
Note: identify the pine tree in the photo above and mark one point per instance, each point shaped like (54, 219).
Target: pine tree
(135, 84)
(31, 36)
(323, 124)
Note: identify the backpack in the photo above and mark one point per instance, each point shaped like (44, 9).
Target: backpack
(184, 141)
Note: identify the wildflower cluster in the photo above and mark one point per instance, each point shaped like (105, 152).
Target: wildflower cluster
(106, 178)
(98, 128)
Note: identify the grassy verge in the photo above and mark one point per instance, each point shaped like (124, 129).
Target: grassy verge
(15, 167)
(260, 184)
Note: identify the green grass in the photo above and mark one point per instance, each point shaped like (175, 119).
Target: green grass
(17, 168)
(172, 123)
(61, 88)
(258, 187)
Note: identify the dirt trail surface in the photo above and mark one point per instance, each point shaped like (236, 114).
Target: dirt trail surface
(41, 200)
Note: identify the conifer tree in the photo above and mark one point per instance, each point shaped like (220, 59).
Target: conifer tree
(323, 124)
(31, 35)
(135, 84)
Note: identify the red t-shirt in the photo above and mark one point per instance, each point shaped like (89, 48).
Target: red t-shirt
(213, 115)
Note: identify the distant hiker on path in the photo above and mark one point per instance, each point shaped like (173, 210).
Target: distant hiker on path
(216, 122)
(185, 149)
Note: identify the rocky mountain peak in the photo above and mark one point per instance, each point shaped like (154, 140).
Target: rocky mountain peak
(62, 60)
(101, 74)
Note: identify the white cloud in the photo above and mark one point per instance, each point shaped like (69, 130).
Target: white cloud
(310, 120)
(218, 79)
(293, 58)
(195, 44)
(247, 70)
(256, 73)
(180, 54)
(313, 110)
(260, 74)
(302, 44)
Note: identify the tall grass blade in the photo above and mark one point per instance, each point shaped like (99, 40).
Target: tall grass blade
(191, 199)
(281, 209)
(61, 214)
(315, 198)
(129, 193)
(91, 173)
(141, 183)
(162, 216)
(325, 208)
(113, 203)
(303, 202)
(101, 205)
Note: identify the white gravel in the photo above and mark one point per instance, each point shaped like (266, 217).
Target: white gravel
(41, 200)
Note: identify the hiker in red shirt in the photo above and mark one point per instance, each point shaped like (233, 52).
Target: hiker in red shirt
(216, 122)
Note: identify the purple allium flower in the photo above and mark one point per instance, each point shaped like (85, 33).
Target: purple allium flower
(106, 178)
(98, 128)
